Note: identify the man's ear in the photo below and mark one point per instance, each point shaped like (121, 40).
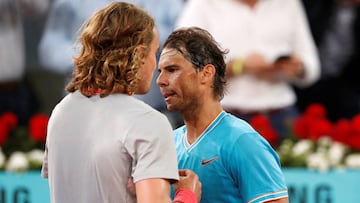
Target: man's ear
(207, 73)
(141, 52)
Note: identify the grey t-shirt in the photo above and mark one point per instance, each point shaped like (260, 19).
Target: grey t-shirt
(96, 145)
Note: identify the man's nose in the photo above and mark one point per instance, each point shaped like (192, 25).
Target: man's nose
(161, 80)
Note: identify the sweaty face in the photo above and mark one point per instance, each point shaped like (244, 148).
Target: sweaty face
(146, 73)
(178, 81)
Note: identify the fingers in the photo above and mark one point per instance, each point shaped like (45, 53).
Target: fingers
(185, 172)
(189, 180)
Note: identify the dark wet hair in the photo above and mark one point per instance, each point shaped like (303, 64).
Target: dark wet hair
(200, 48)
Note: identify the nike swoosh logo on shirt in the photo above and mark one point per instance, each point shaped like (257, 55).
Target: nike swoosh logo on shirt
(206, 162)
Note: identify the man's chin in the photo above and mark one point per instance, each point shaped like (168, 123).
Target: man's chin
(170, 107)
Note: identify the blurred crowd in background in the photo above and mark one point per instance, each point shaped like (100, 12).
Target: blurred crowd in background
(37, 43)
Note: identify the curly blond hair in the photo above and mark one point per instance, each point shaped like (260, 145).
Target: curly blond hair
(114, 42)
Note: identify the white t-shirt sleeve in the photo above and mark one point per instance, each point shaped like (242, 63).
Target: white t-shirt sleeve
(304, 45)
(152, 148)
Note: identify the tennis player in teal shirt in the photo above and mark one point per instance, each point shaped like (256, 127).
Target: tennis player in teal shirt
(234, 163)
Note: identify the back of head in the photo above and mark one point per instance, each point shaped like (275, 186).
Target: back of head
(110, 58)
(200, 48)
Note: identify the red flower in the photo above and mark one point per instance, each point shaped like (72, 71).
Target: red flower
(313, 123)
(354, 142)
(38, 127)
(271, 136)
(260, 121)
(4, 133)
(263, 126)
(319, 128)
(316, 110)
(342, 130)
(9, 119)
(355, 124)
(354, 138)
(301, 127)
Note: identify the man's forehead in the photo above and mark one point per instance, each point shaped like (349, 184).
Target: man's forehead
(169, 52)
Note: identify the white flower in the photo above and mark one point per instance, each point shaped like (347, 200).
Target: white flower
(302, 147)
(36, 155)
(17, 162)
(336, 153)
(353, 161)
(35, 158)
(286, 146)
(318, 161)
(324, 141)
(2, 159)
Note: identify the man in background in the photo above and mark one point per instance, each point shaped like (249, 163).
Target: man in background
(14, 92)
(335, 25)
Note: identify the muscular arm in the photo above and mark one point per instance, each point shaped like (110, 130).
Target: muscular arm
(158, 190)
(153, 190)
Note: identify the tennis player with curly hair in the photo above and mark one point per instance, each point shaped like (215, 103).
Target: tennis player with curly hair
(104, 145)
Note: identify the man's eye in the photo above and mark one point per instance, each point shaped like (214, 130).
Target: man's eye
(171, 70)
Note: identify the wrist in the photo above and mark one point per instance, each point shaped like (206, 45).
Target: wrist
(185, 196)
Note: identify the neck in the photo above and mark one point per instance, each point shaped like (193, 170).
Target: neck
(198, 120)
